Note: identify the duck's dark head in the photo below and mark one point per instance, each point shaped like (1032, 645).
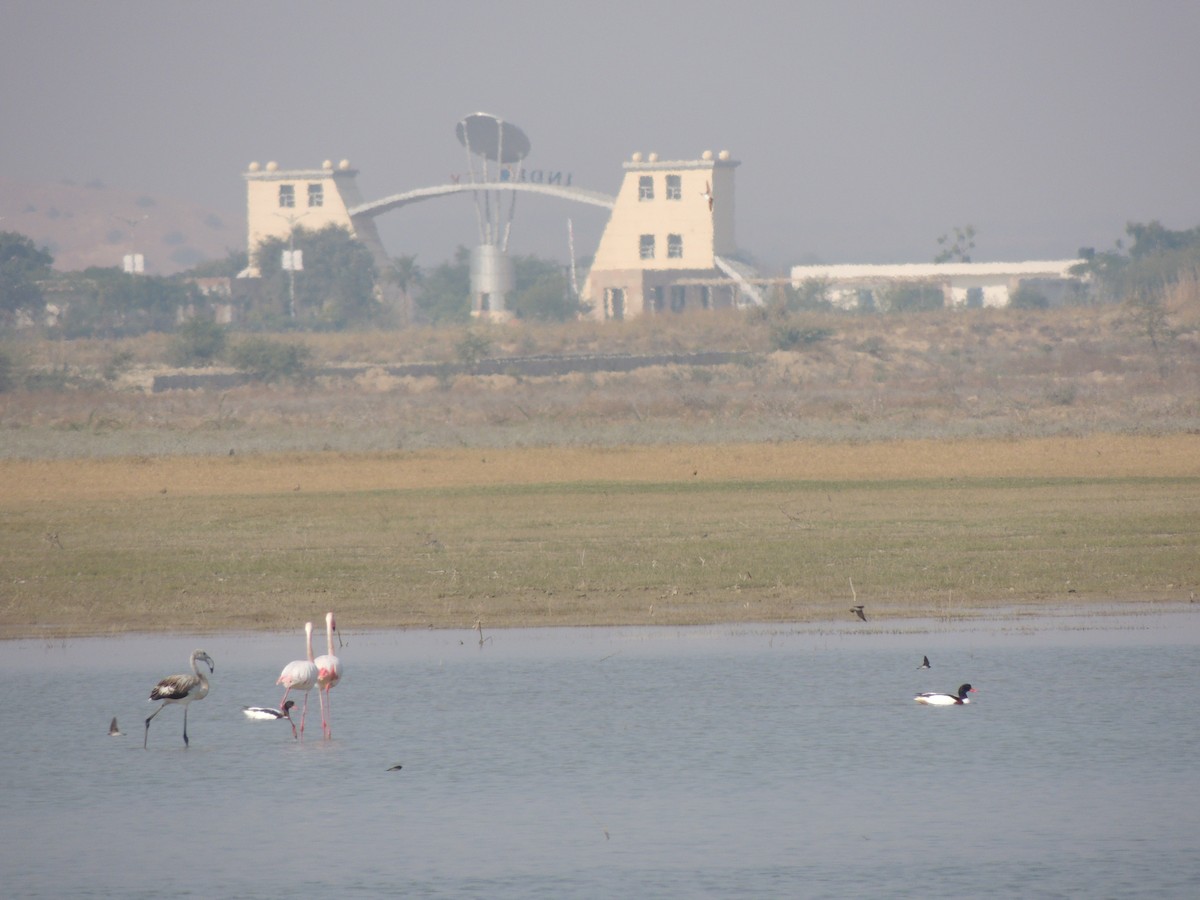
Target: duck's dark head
(963, 690)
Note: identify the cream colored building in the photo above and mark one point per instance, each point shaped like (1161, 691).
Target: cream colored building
(667, 247)
(668, 241)
(992, 284)
(278, 200)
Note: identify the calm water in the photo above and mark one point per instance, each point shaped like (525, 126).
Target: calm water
(757, 761)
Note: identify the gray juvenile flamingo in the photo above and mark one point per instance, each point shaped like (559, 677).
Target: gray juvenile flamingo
(181, 689)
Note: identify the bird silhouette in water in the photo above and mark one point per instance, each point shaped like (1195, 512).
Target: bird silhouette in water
(113, 730)
(924, 663)
(858, 611)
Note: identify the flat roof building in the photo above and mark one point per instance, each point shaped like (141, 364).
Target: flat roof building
(280, 200)
(961, 283)
(668, 243)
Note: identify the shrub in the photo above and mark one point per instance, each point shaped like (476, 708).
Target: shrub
(788, 336)
(473, 348)
(910, 298)
(1028, 298)
(198, 342)
(8, 378)
(119, 362)
(267, 360)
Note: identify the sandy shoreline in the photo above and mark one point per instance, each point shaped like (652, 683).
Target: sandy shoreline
(1095, 624)
(1102, 455)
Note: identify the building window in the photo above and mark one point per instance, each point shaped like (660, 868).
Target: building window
(675, 246)
(287, 195)
(316, 195)
(657, 300)
(674, 188)
(705, 297)
(646, 187)
(678, 297)
(646, 246)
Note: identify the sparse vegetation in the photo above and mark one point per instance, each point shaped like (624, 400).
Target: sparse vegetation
(22, 263)
(197, 342)
(1028, 298)
(269, 360)
(8, 379)
(473, 348)
(957, 248)
(118, 364)
(945, 373)
(788, 336)
(665, 492)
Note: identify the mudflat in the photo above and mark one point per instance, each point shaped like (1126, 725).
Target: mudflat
(670, 534)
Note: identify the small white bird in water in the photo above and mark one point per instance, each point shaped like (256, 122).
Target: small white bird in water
(113, 730)
(934, 698)
(271, 713)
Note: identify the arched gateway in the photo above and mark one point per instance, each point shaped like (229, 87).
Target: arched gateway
(664, 248)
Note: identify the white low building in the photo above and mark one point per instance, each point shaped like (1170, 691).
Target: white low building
(961, 283)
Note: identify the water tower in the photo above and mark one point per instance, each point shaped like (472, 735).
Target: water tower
(495, 149)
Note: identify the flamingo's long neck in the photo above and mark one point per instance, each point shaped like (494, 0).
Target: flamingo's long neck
(329, 633)
(308, 639)
(199, 674)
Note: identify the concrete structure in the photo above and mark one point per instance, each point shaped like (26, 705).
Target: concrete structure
(666, 247)
(279, 200)
(990, 284)
(667, 244)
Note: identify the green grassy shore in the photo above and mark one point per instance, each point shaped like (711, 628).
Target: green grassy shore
(786, 532)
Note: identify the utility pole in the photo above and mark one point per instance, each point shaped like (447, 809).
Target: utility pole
(293, 260)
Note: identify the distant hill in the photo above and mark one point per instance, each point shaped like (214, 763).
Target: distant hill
(93, 225)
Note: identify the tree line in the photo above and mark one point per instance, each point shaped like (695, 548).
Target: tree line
(339, 287)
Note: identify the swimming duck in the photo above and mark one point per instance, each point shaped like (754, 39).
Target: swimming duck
(933, 698)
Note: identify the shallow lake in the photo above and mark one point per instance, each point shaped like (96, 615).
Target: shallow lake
(733, 761)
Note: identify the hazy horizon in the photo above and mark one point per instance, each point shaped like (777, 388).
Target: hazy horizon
(865, 130)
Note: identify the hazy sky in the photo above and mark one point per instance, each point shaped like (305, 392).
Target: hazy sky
(864, 129)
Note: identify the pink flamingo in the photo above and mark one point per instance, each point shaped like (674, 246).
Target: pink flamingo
(180, 689)
(329, 673)
(300, 675)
